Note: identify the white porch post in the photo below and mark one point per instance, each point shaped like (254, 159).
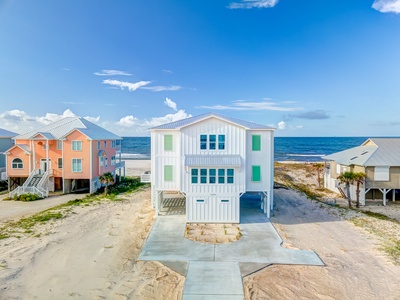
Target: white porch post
(47, 156)
(384, 192)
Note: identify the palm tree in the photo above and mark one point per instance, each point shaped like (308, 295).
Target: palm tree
(359, 178)
(347, 178)
(319, 167)
(106, 178)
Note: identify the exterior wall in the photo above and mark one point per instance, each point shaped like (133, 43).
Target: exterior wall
(235, 138)
(18, 153)
(216, 209)
(83, 154)
(109, 152)
(263, 158)
(5, 144)
(393, 183)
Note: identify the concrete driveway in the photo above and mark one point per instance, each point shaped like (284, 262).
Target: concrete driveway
(206, 265)
(13, 210)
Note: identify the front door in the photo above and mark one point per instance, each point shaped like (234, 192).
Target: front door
(43, 165)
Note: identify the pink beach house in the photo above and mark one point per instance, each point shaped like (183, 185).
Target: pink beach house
(68, 155)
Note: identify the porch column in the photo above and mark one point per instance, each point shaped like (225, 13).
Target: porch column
(384, 192)
(394, 195)
(47, 156)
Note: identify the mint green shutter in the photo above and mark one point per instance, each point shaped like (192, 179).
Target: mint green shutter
(256, 142)
(256, 173)
(167, 173)
(168, 142)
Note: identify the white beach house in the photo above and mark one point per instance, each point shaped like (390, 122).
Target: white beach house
(212, 160)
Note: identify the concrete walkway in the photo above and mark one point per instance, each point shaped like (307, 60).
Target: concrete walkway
(12, 210)
(216, 271)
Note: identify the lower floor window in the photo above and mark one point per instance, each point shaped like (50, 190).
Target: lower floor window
(17, 163)
(76, 165)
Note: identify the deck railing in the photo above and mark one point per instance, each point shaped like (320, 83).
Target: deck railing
(41, 189)
(119, 165)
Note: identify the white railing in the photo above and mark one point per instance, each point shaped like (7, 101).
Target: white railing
(29, 190)
(41, 189)
(145, 177)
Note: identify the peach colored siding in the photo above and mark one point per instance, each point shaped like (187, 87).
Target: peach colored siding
(83, 154)
(18, 153)
(109, 152)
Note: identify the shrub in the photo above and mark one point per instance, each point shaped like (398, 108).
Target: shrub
(27, 197)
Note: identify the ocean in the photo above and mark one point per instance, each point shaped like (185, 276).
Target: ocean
(306, 149)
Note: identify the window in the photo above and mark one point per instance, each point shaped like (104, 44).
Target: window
(381, 174)
(213, 142)
(113, 160)
(106, 162)
(256, 173)
(221, 175)
(338, 171)
(168, 173)
(76, 165)
(60, 164)
(221, 142)
(101, 161)
(256, 142)
(210, 142)
(168, 142)
(212, 176)
(59, 145)
(230, 175)
(17, 163)
(98, 145)
(203, 142)
(113, 144)
(77, 145)
(195, 175)
(44, 146)
(203, 175)
(105, 144)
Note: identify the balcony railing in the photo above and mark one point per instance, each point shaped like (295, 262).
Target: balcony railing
(120, 165)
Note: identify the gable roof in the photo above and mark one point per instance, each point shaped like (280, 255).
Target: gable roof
(23, 147)
(189, 121)
(373, 152)
(6, 133)
(61, 128)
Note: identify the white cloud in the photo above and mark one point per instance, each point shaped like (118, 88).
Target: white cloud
(123, 84)
(127, 121)
(387, 6)
(282, 125)
(168, 102)
(112, 73)
(92, 119)
(161, 88)
(248, 4)
(167, 71)
(244, 105)
(179, 115)
(50, 117)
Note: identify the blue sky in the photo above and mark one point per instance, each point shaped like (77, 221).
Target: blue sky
(308, 68)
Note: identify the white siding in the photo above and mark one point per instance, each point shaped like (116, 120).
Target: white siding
(214, 209)
(263, 158)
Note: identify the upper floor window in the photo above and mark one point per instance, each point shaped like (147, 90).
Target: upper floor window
(113, 160)
(167, 142)
(211, 142)
(17, 163)
(59, 163)
(77, 145)
(101, 161)
(59, 145)
(256, 142)
(98, 145)
(106, 162)
(105, 144)
(113, 144)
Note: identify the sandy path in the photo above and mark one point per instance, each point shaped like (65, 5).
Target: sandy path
(355, 269)
(91, 254)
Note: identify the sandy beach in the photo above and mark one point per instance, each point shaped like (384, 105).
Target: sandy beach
(92, 253)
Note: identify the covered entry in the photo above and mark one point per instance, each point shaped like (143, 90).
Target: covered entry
(171, 203)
